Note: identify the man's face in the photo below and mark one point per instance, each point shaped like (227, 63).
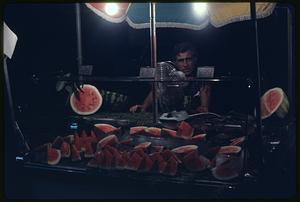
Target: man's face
(185, 62)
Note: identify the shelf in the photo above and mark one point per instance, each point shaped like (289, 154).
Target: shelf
(140, 79)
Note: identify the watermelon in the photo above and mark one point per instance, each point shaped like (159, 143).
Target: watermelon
(185, 130)
(54, 156)
(109, 140)
(106, 128)
(227, 167)
(153, 131)
(137, 130)
(65, 150)
(274, 100)
(199, 137)
(75, 154)
(87, 101)
(185, 149)
(143, 145)
(229, 150)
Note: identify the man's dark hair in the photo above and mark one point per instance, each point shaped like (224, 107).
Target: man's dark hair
(183, 47)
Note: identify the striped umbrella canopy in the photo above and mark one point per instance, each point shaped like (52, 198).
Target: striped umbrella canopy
(194, 16)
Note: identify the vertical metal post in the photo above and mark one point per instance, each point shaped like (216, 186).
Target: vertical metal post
(258, 134)
(78, 31)
(291, 79)
(153, 57)
(15, 125)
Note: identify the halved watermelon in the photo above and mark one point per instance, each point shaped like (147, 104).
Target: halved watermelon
(87, 101)
(274, 100)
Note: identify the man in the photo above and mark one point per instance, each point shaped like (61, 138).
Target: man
(186, 62)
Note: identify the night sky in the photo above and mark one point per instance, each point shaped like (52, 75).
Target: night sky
(47, 44)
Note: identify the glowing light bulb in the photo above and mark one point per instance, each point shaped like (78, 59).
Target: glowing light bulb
(200, 9)
(111, 9)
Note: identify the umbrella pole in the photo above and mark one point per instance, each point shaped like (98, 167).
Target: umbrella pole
(258, 135)
(14, 122)
(78, 31)
(153, 57)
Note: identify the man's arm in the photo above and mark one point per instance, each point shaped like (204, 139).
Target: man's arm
(147, 102)
(204, 98)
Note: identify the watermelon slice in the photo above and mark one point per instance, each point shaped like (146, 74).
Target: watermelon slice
(75, 154)
(143, 145)
(106, 128)
(185, 149)
(65, 150)
(227, 167)
(153, 131)
(109, 140)
(137, 130)
(185, 130)
(87, 101)
(54, 156)
(274, 100)
(229, 150)
(169, 132)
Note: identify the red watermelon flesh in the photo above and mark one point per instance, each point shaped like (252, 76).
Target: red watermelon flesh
(108, 158)
(75, 154)
(185, 149)
(77, 142)
(199, 137)
(137, 130)
(88, 150)
(143, 145)
(54, 156)
(65, 150)
(185, 130)
(135, 161)
(109, 140)
(171, 166)
(99, 157)
(88, 101)
(153, 131)
(125, 158)
(93, 137)
(147, 163)
(227, 171)
(162, 165)
(229, 150)
(274, 100)
(106, 128)
(195, 162)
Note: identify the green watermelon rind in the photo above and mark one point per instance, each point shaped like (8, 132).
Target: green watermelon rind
(87, 112)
